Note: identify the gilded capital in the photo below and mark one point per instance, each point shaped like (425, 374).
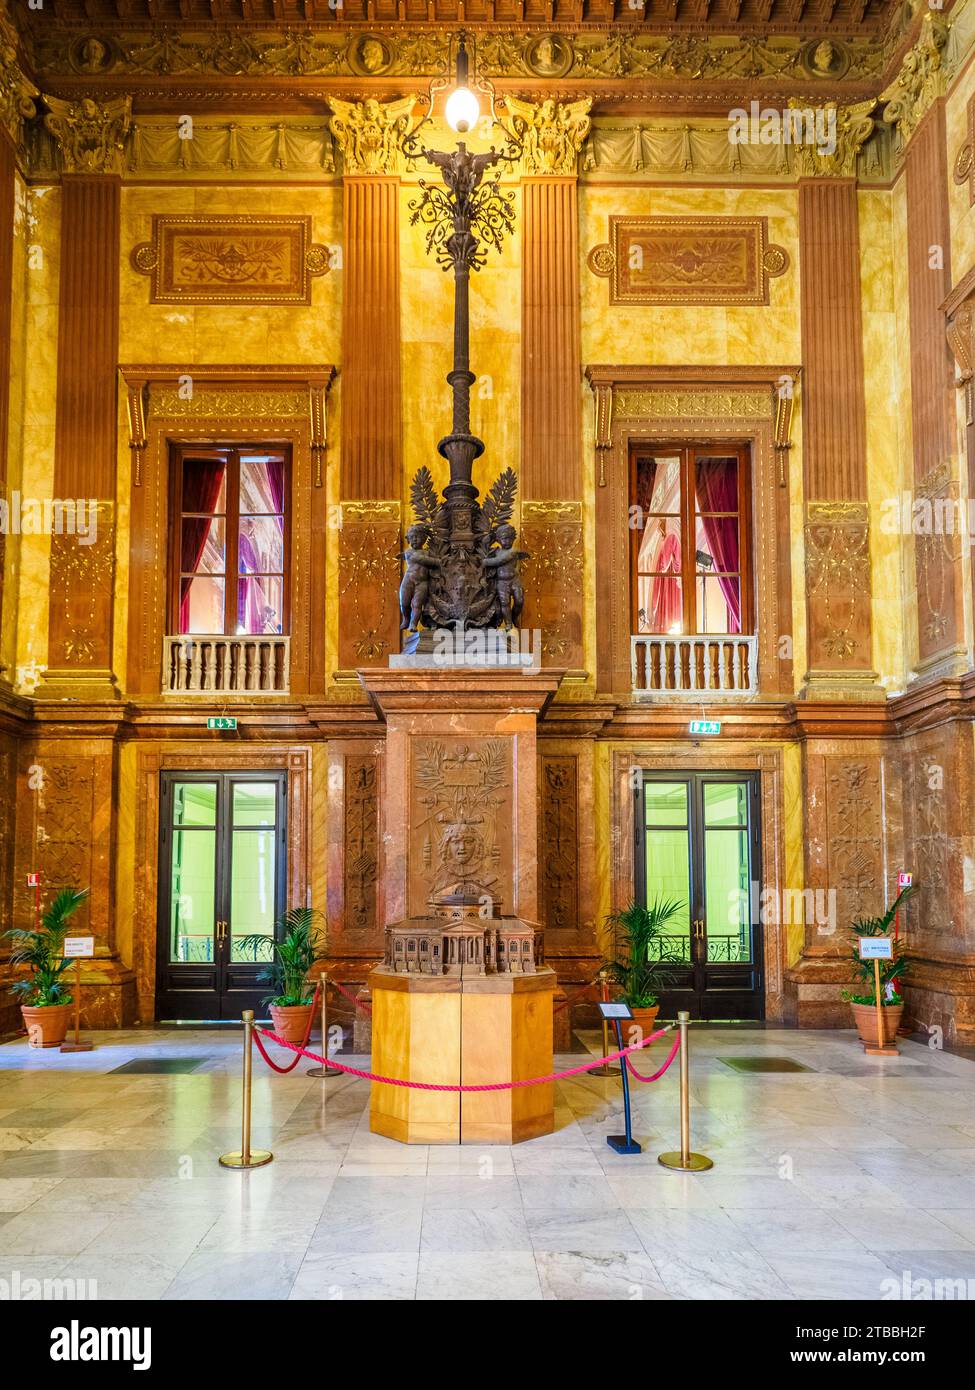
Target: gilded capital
(90, 134)
(17, 92)
(839, 133)
(552, 133)
(370, 133)
(920, 81)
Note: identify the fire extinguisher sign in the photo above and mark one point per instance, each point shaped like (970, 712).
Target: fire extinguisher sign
(904, 879)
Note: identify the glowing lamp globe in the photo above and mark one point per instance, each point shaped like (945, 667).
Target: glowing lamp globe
(462, 110)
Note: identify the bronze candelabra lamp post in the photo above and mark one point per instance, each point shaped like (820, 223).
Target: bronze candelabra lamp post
(461, 564)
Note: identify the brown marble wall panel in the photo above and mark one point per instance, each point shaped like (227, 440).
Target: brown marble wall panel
(834, 430)
(938, 558)
(551, 449)
(372, 448)
(553, 580)
(369, 575)
(86, 421)
(558, 842)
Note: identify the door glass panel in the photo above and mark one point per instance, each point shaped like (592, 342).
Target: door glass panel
(668, 876)
(726, 803)
(192, 915)
(726, 895)
(201, 607)
(260, 604)
(254, 803)
(666, 803)
(252, 893)
(195, 803)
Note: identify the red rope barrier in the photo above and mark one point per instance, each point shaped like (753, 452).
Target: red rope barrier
(283, 1071)
(359, 1003)
(490, 1086)
(657, 1074)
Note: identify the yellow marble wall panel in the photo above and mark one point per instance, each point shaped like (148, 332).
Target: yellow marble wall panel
(294, 333)
(31, 439)
(888, 470)
(792, 797)
(961, 213)
(905, 433)
(698, 334)
(426, 314)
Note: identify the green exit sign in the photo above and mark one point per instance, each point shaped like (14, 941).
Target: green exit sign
(221, 721)
(705, 726)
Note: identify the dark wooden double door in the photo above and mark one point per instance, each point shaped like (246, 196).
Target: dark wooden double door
(222, 888)
(697, 842)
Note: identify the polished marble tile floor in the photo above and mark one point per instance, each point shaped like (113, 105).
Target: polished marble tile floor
(854, 1179)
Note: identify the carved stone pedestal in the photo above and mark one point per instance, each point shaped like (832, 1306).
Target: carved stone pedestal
(463, 996)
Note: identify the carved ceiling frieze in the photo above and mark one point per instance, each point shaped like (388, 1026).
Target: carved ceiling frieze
(17, 92)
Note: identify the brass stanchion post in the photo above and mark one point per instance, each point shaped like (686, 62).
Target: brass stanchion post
(605, 1069)
(685, 1160)
(323, 1071)
(245, 1158)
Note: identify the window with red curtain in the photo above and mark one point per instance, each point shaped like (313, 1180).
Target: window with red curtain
(230, 544)
(689, 540)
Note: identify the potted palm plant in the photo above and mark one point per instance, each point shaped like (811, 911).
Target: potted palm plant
(637, 933)
(45, 999)
(297, 944)
(862, 998)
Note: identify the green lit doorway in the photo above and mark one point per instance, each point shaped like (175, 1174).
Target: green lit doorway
(222, 877)
(697, 840)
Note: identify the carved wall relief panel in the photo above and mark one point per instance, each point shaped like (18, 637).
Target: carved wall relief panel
(553, 579)
(82, 576)
(361, 844)
(838, 584)
(938, 549)
(369, 574)
(688, 260)
(558, 842)
(854, 841)
(230, 260)
(460, 823)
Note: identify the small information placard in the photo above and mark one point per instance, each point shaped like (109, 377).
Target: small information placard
(613, 1009)
(876, 948)
(79, 947)
(221, 721)
(710, 727)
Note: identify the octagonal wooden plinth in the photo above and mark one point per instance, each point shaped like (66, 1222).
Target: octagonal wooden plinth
(462, 1032)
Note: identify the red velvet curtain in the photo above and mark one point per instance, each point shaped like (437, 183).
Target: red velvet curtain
(716, 483)
(201, 484)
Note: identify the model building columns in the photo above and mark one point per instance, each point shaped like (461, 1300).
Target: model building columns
(89, 137)
(371, 432)
(551, 380)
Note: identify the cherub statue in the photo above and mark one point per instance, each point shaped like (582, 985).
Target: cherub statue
(505, 561)
(415, 588)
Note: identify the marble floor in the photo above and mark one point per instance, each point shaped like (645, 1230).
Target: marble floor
(854, 1179)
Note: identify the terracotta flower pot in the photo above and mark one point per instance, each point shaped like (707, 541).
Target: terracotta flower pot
(865, 1018)
(46, 1024)
(644, 1020)
(291, 1021)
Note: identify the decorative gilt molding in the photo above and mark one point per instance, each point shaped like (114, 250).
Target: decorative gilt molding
(550, 512)
(921, 80)
(241, 259)
(90, 134)
(226, 393)
(552, 133)
(688, 260)
(17, 92)
(854, 127)
(366, 511)
(370, 133)
(837, 535)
